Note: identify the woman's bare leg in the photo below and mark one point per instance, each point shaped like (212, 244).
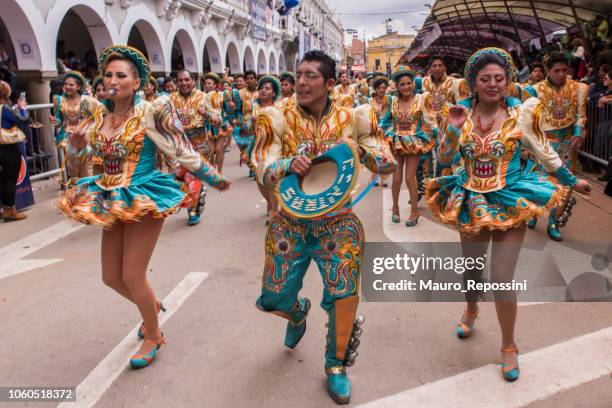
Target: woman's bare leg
(473, 246)
(412, 162)
(138, 243)
(112, 260)
(220, 152)
(396, 184)
(504, 256)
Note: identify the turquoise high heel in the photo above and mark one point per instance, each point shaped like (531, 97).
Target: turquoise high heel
(338, 384)
(463, 330)
(554, 233)
(532, 223)
(411, 222)
(512, 373)
(141, 329)
(144, 360)
(395, 218)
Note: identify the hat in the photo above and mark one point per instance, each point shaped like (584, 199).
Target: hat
(275, 84)
(326, 187)
(401, 71)
(470, 65)
(212, 76)
(141, 62)
(77, 76)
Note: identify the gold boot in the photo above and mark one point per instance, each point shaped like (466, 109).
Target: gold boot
(11, 214)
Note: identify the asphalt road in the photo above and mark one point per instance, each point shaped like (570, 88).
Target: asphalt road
(61, 326)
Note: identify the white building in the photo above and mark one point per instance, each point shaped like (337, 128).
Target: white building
(201, 35)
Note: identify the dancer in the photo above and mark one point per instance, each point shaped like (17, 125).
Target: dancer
(288, 98)
(214, 124)
(98, 87)
(381, 103)
(344, 92)
(229, 111)
(67, 117)
(412, 133)
(561, 115)
(10, 156)
(192, 111)
(491, 198)
(247, 139)
(269, 91)
(151, 89)
(131, 198)
(334, 241)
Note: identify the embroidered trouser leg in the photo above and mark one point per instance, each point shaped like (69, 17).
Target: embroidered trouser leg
(561, 141)
(336, 245)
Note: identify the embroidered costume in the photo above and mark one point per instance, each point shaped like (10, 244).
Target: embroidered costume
(334, 241)
(492, 191)
(344, 95)
(560, 115)
(412, 131)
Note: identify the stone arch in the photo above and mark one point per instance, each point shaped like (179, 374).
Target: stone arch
(232, 58)
(145, 23)
(93, 14)
(282, 67)
(262, 67)
(272, 63)
(211, 56)
(182, 37)
(249, 59)
(24, 24)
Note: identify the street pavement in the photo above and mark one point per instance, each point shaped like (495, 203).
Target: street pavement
(61, 326)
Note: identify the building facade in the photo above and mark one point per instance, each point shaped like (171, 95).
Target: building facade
(384, 52)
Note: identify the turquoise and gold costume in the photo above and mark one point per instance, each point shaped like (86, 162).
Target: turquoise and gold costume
(410, 132)
(492, 191)
(344, 95)
(131, 186)
(560, 115)
(335, 242)
(231, 115)
(246, 137)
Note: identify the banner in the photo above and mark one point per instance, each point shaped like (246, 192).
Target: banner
(24, 197)
(259, 10)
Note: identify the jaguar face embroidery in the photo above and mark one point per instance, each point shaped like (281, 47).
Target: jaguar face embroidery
(485, 157)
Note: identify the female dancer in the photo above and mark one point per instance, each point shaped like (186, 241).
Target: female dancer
(214, 125)
(412, 134)
(229, 110)
(126, 133)
(150, 89)
(269, 90)
(490, 198)
(10, 156)
(98, 88)
(381, 102)
(67, 117)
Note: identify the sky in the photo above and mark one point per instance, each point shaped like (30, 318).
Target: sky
(372, 13)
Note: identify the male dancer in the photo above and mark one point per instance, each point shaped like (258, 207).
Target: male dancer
(191, 109)
(334, 241)
(562, 118)
(247, 98)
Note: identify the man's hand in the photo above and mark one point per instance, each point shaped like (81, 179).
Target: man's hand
(301, 165)
(577, 143)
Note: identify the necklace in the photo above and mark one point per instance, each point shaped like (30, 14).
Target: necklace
(116, 124)
(487, 129)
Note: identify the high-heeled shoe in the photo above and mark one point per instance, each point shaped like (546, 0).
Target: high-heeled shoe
(463, 330)
(141, 329)
(395, 218)
(143, 360)
(510, 373)
(411, 222)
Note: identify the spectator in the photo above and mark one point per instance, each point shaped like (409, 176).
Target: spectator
(602, 28)
(603, 133)
(597, 86)
(10, 156)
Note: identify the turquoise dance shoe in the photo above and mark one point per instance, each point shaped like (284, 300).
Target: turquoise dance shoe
(463, 330)
(532, 223)
(194, 218)
(511, 373)
(295, 330)
(338, 384)
(143, 360)
(554, 233)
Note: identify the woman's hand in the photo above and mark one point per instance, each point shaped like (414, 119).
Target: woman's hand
(582, 186)
(78, 140)
(457, 116)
